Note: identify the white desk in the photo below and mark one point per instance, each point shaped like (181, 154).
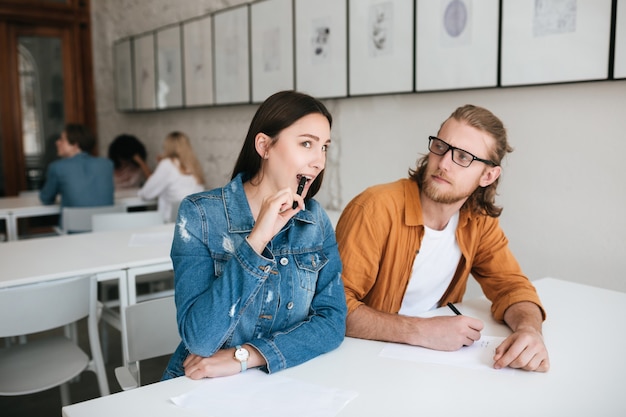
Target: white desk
(584, 334)
(14, 208)
(105, 254)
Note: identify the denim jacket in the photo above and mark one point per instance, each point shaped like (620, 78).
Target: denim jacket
(289, 303)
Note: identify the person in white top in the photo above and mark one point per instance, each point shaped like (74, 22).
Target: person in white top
(177, 175)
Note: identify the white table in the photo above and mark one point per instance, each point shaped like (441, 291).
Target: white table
(104, 254)
(584, 334)
(14, 208)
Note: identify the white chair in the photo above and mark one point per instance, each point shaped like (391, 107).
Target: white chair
(126, 220)
(48, 359)
(160, 284)
(78, 219)
(151, 331)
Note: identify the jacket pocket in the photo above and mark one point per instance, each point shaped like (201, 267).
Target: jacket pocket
(309, 264)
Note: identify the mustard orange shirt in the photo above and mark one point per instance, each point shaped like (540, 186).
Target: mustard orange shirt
(379, 234)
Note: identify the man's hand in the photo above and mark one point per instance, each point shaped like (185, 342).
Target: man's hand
(439, 333)
(445, 332)
(525, 348)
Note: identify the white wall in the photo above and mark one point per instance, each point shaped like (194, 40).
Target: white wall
(562, 189)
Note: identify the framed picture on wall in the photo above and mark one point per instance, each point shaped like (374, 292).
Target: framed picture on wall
(619, 66)
(123, 61)
(198, 61)
(380, 46)
(144, 72)
(552, 41)
(232, 56)
(271, 25)
(456, 44)
(169, 68)
(321, 47)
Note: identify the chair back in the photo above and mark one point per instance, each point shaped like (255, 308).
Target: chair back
(50, 361)
(152, 329)
(126, 220)
(78, 219)
(58, 303)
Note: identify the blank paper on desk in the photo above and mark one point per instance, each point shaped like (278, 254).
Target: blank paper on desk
(477, 356)
(255, 393)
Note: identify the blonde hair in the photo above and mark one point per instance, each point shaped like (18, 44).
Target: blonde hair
(177, 146)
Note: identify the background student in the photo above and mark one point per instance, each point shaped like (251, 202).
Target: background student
(81, 179)
(123, 151)
(177, 175)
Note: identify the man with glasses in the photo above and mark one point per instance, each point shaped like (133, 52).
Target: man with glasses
(409, 246)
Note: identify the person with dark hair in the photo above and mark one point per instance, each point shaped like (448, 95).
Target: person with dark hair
(409, 246)
(257, 270)
(81, 179)
(125, 151)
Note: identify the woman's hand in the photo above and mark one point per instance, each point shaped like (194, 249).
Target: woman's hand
(222, 363)
(274, 213)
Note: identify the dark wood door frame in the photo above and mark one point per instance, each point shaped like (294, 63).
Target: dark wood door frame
(70, 22)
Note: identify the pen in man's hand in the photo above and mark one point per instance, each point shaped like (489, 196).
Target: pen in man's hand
(453, 308)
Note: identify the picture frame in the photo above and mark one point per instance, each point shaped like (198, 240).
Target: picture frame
(198, 62)
(144, 80)
(232, 56)
(554, 41)
(271, 26)
(619, 63)
(169, 67)
(321, 39)
(456, 44)
(123, 63)
(380, 39)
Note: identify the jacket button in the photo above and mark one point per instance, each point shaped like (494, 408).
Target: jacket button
(289, 305)
(267, 269)
(284, 261)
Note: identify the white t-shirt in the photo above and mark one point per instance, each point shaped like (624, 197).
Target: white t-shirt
(433, 269)
(170, 186)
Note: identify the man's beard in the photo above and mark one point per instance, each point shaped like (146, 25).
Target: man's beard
(433, 192)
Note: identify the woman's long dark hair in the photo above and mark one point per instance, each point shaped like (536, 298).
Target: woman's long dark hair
(278, 112)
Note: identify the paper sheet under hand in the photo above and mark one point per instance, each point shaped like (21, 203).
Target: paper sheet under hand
(255, 393)
(477, 356)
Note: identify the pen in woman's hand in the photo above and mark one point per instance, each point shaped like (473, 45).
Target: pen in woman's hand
(301, 185)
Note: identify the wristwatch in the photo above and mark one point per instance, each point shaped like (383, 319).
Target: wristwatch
(242, 355)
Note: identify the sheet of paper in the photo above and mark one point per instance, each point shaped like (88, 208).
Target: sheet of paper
(477, 356)
(255, 393)
(147, 239)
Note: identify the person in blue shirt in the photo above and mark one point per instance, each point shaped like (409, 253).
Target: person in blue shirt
(257, 277)
(81, 179)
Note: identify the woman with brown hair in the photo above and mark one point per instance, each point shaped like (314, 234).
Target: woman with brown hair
(177, 175)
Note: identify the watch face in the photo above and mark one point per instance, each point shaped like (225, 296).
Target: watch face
(242, 354)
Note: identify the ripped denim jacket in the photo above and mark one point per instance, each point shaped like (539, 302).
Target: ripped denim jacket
(288, 303)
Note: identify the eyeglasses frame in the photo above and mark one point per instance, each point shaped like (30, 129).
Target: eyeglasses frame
(454, 148)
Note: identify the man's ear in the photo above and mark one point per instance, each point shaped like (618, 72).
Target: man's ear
(262, 144)
(489, 176)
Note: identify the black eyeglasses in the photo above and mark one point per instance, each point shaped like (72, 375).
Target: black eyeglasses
(459, 156)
